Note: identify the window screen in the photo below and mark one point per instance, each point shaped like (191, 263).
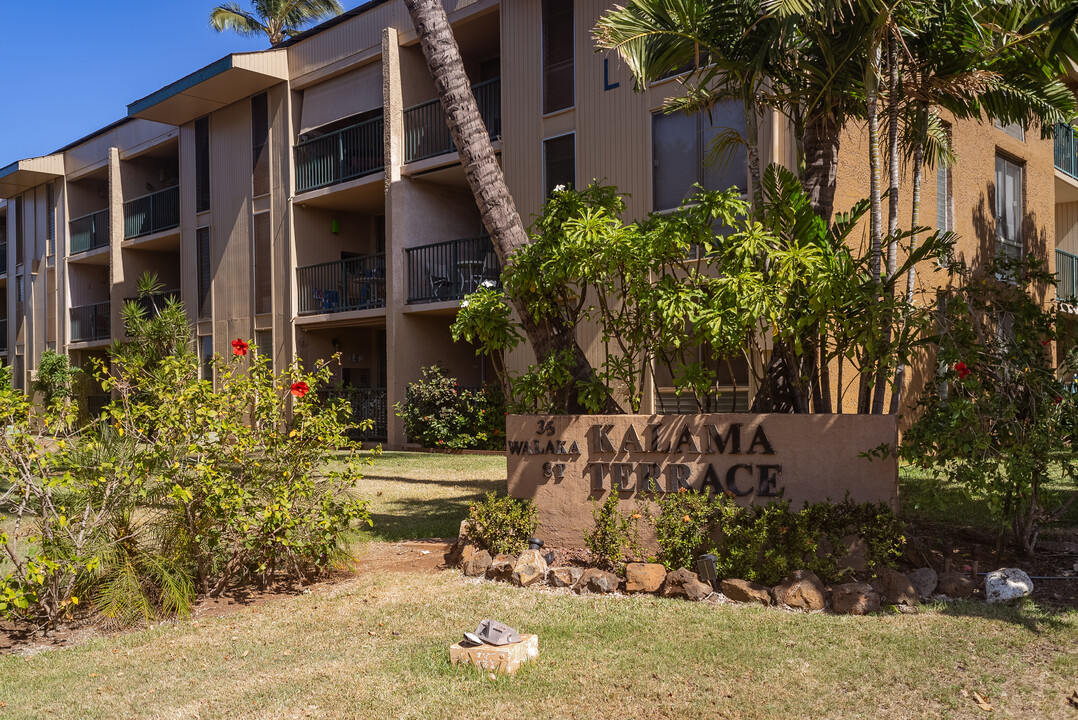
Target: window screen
(681, 157)
(943, 198)
(1008, 208)
(558, 89)
(50, 216)
(202, 165)
(204, 258)
(263, 264)
(205, 350)
(260, 180)
(559, 162)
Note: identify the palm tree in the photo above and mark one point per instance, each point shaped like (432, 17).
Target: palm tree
(277, 19)
(484, 174)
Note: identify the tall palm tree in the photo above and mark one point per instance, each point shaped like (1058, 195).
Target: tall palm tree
(277, 19)
(485, 178)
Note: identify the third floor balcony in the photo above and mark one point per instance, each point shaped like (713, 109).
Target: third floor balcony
(426, 133)
(450, 270)
(152, 213)
(340, 156)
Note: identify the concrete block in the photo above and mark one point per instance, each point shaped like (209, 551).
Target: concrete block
(502, 659)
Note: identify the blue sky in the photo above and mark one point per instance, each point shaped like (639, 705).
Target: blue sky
(72, 66)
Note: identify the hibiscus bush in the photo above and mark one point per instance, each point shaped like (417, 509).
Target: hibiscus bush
(995, 414)
(440, 414)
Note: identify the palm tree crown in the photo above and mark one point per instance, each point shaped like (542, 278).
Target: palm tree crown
(277, 19)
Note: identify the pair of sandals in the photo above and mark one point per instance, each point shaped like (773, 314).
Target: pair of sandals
(490, 632)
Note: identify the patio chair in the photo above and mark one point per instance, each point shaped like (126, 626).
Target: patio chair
(441, 284)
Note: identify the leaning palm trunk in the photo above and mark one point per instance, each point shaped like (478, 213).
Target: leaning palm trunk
(496, 206)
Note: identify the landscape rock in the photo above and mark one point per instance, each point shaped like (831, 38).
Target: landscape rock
(564, 576)
(644, 577)
(478, 564)
(854, 599)
(854, 554)
(595, 580)
(801, 589)
(746, 592)
(1007, 585)
(683, 583)
(955, 584)
(457, 553)
(924, 581)
(530, 568)
(895, 588)
(501, 568)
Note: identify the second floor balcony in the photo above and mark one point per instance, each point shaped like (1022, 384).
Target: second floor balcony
(426, 133)
(340, 156)
(450, 270)
(91, 322)
(89, 231)
(152, 213)
(357, 283)
(1066, 149)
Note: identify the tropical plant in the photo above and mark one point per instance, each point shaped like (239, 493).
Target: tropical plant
(439, 414)
(485, 178)
(502, 524)
(994, 415)
(276, 19)
(55, 378)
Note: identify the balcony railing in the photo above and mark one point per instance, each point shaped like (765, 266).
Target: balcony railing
(426, 133)
(3, 258)
(340, 156)
(90, 231)
(1066, 147)
(366, 404)
(450, 270)
(1066, 276)
(91, 322)
(3, 335)
(357, 283)
(152, 213)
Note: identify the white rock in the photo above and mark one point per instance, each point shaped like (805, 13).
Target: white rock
(1007, 585)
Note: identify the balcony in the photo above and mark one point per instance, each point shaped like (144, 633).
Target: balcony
(426, 133)
(152, 213)
(1066, 276)
(90, 232)
(346, 154)
(91, 322)
(1066, 149)
(450, 270)
(357, 283)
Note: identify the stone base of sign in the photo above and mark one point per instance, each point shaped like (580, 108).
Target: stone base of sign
(563, 462)
(502, 659)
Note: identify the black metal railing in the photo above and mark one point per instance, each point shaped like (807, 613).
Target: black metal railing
(1066, 276)
(96, 403)
(3, 335)
(3, 258)
(339, 156)
(152, 213)
(91, 322)
(1066, 149)
(452, 269)
(426, 133)
(152, 305)
(366, 404)
(90, 231)
(357, 283)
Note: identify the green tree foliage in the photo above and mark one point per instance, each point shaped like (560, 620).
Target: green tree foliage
(994, 414)
(55, 378)
(276, 19)
(439, 414)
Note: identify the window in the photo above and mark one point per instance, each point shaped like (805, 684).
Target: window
(20, 290)
(260, 179)
(1015, 130)
(558, 87)
(205, 349)
(680, 147)
(559, 163)
(50, 216)
(263, 264)
(203, 258)
(264, 345)
(202, 164)
(1008, 208)
(943, 198)
(728, 393)
(20, 239)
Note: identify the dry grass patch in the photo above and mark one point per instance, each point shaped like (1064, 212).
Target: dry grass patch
(376, 646)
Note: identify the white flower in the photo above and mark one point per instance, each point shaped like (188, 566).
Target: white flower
(464, 303)
(488, 284)
(559, 188)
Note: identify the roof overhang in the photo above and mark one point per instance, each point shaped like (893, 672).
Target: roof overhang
(215, 86)
(18, 177)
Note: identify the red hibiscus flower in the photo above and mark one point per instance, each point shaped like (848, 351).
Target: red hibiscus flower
(299, 389)
(1057, 399)
(239, 347)
(962, 370)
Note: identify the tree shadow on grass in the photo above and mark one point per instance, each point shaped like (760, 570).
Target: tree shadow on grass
(1033, 618)
(484, 485)
(412, 518)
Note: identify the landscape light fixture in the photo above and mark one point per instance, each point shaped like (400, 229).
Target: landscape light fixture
(535, 543)
(706, 567)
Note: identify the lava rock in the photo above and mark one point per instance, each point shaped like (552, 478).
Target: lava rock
(530, 568)
(1007, 585)
(595, 580)
(744, 591)
(644, 577)
(895, 588)
(502, 568)
(801, 590)
(683, 583)
(854, 599)
(955, 584)
(478, 564)
(924, 581)
(564, 576)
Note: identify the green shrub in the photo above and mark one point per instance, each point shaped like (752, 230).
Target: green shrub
(502, 524)
(55, 377)
(615, 535)
(763, 543)
(439, 414)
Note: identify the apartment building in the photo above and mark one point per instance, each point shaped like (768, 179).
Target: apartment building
(309, 196)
